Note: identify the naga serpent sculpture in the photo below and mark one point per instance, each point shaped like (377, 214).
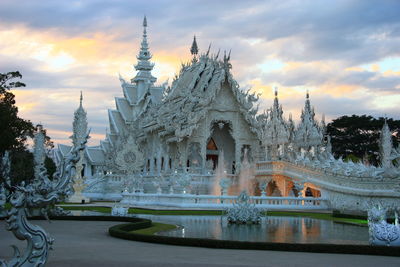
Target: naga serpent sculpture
(38, 195)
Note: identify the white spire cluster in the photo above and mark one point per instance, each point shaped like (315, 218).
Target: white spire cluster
(79, 125)
(280, 136)
(38, 152)
(385, 146)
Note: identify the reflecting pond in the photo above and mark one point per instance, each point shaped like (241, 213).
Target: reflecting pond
(280, 229)
(272, 229)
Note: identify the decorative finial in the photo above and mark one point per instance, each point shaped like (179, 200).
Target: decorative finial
(194, 50)
(276, 91)
(81, 98)
(307, 94)
(145, 21)
(208, 50)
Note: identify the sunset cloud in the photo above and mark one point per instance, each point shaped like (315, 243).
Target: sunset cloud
(346, 53)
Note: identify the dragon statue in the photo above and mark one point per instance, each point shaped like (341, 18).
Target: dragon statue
(40, 194)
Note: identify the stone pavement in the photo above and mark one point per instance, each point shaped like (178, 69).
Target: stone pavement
(80, 243)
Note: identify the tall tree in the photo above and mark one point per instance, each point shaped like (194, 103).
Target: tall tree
(358, 136)
(14, 132)
(13, 129)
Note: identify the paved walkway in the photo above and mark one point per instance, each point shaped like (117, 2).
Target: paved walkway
(79, 243)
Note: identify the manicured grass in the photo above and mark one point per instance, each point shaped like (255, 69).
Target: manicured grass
(321, 216)
(88, 208)
(155, 228)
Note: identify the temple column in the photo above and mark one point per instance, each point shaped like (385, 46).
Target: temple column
(166, 163)
(238, 146)
(158, 162)
(203, 154)
(151, 165)
(88, 170)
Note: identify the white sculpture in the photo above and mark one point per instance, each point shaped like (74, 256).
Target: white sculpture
(243, 211)
(381, 232)
(37, 195)
(119, 210)
(79, 131)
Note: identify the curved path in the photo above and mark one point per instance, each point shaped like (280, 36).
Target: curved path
(81, 243)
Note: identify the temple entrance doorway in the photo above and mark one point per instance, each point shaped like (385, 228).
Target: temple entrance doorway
(212, 153)
(221, 141)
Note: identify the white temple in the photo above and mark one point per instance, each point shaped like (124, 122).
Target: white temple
(167, 141)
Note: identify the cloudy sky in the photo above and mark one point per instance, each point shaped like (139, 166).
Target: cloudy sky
(346, 53)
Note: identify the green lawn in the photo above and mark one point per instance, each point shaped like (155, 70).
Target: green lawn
(321, 216)
(155, 228)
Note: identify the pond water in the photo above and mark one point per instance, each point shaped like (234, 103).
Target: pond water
(280, 229)
(272, 229)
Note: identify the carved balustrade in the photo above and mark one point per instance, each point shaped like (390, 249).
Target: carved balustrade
(212, 201)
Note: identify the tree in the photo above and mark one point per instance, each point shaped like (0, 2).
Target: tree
(358, 136)
(14, 132)
(13, 129)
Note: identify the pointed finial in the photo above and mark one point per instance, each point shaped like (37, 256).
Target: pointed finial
(144, 21)
(307, 94)
(80, 100)
(276, 91)
(194, 49)
(216, 57)
(208, 50)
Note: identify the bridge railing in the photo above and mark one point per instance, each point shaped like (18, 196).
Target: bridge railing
(218, 202)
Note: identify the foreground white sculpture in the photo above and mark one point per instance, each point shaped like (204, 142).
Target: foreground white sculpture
(80, 129)
(39, 195)
(243, 211)
(382, 233)
(119, 210)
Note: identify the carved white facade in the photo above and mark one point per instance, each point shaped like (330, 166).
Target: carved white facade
(158, 134)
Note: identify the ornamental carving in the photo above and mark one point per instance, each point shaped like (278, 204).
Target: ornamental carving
(130, 158)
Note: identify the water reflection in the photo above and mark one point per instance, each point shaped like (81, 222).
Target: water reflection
(272, 229)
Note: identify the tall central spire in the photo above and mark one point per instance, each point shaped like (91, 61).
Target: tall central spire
(144, 66)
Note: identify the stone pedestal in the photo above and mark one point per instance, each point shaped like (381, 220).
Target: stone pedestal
(78, 198)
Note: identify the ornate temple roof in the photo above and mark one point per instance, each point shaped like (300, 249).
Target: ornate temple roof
(95, 155)
(191, 95)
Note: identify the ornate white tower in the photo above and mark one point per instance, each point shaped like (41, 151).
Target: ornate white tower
(276, 134)
(38, 153)
(143, 79)
(385, 146)
(309, 133)
(79, 125)
(79, 132)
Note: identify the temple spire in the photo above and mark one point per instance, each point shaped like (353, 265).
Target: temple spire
(194, 50)
(144, 66)
(79, 125)
(385, 146)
